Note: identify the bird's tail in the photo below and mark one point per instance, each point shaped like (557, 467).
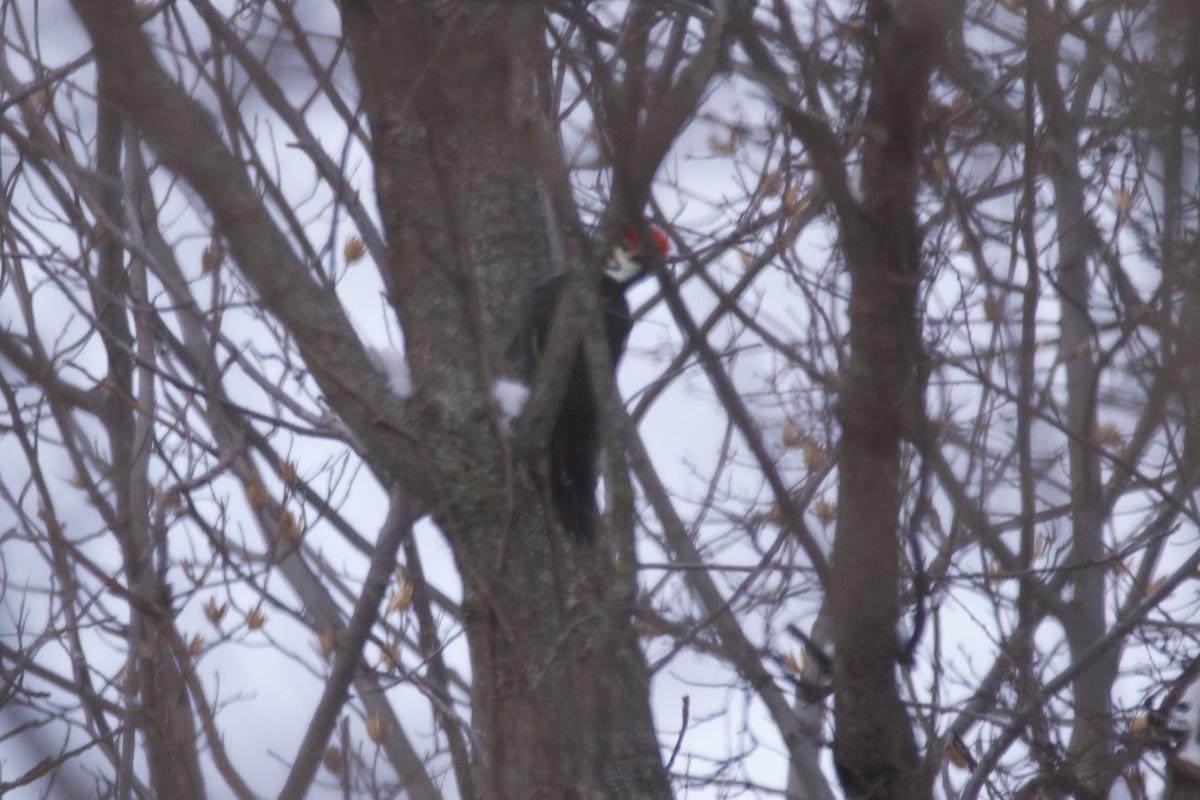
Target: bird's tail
(575, 505)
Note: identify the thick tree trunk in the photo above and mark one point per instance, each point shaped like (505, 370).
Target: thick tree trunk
(561, 703)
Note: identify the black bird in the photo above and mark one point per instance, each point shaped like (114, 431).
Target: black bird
(575, 439)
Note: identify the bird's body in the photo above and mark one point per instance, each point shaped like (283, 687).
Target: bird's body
(574, 448)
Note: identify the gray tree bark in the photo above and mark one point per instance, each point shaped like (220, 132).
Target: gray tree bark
(560, 685)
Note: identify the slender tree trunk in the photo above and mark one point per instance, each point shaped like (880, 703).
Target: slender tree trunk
(1092, 736)
(881, 400)
(163, 711)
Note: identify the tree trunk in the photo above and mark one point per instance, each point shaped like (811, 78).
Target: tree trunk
(160, 707)
(881, 400)
(561, 703)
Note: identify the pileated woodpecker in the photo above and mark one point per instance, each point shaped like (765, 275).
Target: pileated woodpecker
(575, 439)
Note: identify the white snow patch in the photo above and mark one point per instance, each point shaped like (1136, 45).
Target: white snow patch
(1120, 791)
(510, 397)
(392, 364)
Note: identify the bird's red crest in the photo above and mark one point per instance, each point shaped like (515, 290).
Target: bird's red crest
(634, 242)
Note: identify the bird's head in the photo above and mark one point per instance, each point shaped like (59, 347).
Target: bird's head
(628, 261)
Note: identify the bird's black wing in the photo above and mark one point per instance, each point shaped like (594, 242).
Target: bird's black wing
(533, 325)
(573, 447)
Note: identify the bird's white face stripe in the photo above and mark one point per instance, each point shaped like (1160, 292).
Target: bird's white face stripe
(623, 267)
